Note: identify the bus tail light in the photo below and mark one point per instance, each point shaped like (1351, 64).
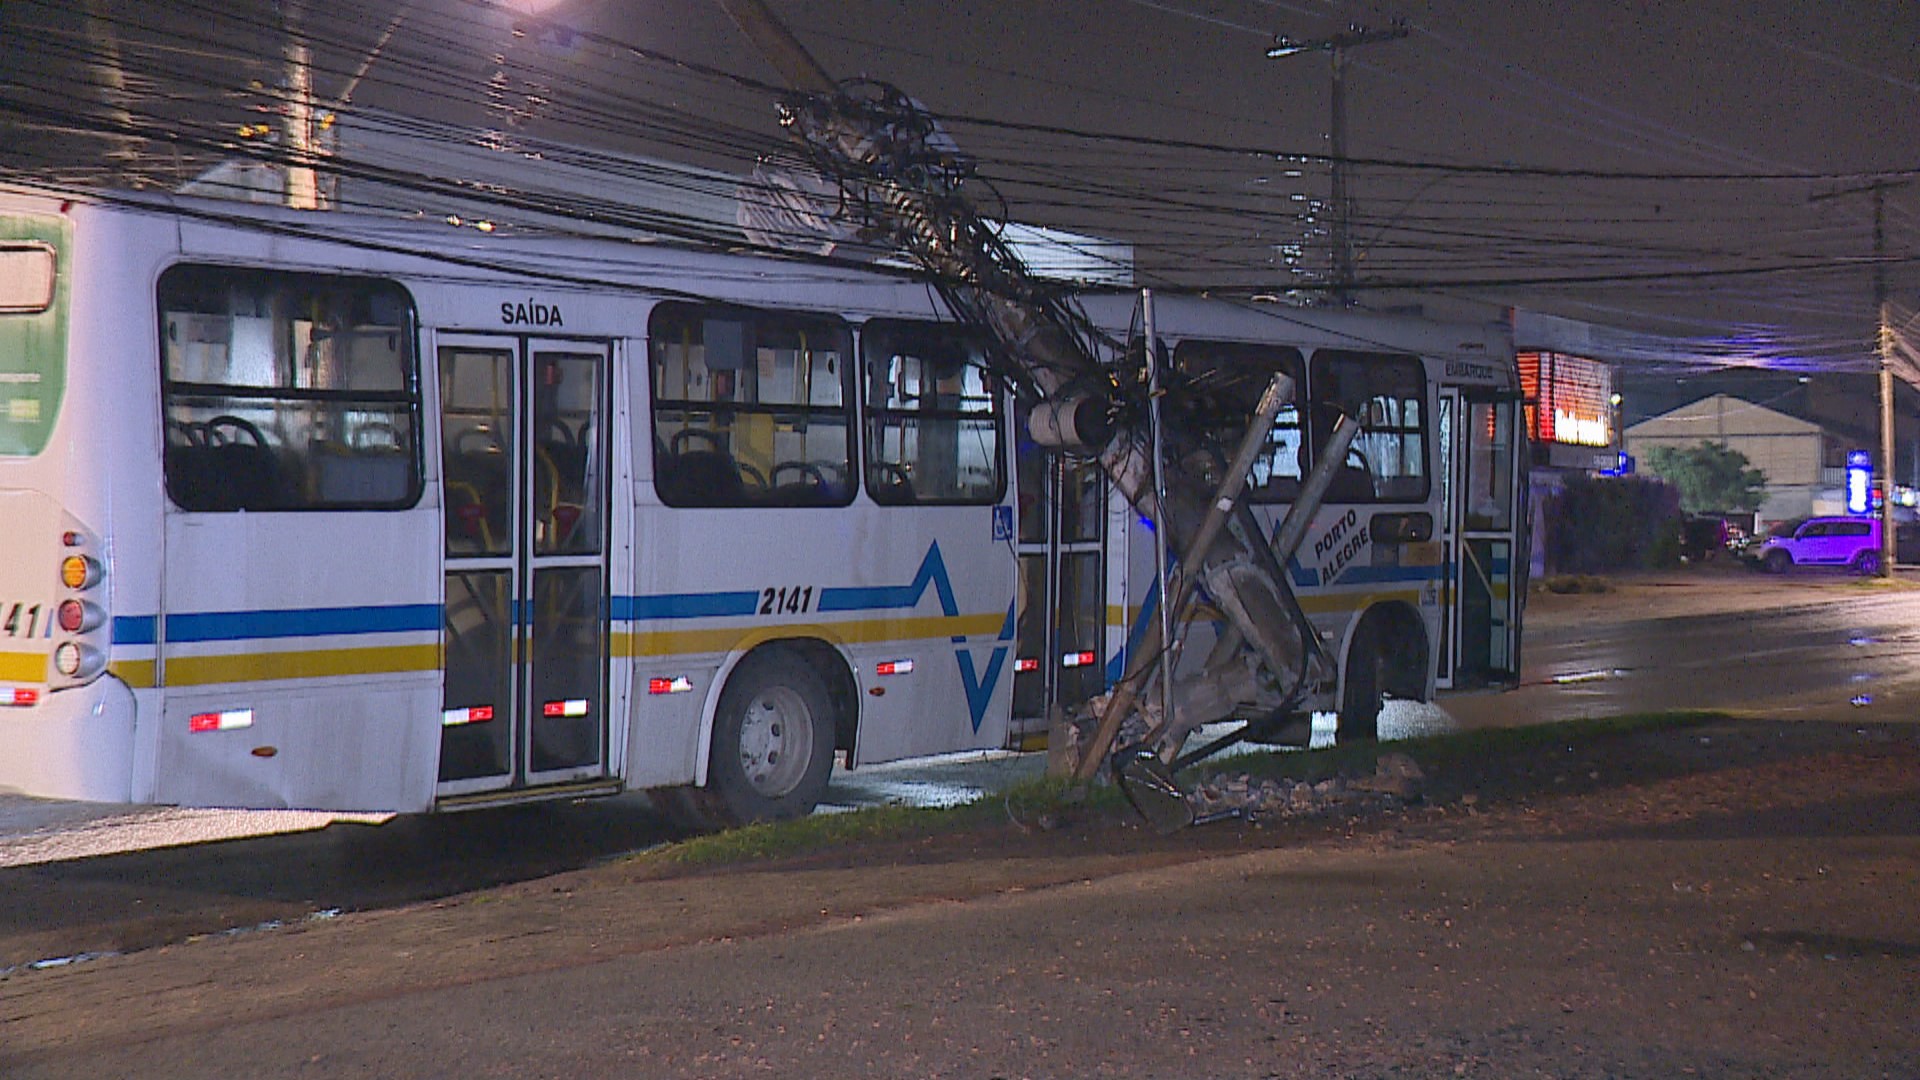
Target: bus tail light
(79, 616)
(76, 661)
(80, 656)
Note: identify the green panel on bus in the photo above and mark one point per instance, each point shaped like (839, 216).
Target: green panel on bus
(33, 329)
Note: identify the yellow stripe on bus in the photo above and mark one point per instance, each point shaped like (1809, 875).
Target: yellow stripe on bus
(137, 674)
(16, 667)
(314, 664)
(1320, 605)
(862, 632)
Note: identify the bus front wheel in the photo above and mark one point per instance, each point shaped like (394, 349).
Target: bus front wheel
(773, 741)
(1363, 691)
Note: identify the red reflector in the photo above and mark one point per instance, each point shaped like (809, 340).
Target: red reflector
(894, 667)
(70, 539)
(679, 684)
(569, 707)
(231, 720)
(1076, 659)
(1026, 663)
(18, 695)
(480, 713)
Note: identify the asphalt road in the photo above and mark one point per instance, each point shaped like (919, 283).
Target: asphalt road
(1815, 646)
(1753, 919)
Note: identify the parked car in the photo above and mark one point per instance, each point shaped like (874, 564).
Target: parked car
(1851, 543)
(1702, 538)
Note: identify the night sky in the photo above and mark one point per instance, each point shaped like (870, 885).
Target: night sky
(1653, 166)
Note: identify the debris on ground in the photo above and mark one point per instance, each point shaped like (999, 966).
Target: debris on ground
(1396, 781)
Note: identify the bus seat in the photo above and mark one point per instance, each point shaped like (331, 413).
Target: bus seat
(700, 478)
(890, 486)
(234, 476)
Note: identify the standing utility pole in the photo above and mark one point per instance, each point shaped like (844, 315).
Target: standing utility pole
(1336, 49)
(1885, 343)
(1884, 347)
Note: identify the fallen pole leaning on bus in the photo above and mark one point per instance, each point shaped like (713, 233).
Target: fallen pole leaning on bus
(1142, 668)
(900, 180)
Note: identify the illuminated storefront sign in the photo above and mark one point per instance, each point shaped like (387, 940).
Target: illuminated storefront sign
(1859, 481)
(1568, 399)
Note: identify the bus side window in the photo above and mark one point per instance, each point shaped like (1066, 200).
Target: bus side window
(1387, 393)
(1223, 382)
(750, 407)
(287, 391)
(933, 416)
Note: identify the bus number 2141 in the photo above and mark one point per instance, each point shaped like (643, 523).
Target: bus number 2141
(794, 601)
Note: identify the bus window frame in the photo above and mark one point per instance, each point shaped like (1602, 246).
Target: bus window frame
(1250, 366)
(176, 392)
(872, 414)
(701, 313)
(1322, 409)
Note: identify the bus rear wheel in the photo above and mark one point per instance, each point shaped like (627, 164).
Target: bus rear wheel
(772, 745)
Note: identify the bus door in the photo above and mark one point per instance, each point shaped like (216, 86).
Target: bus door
(1481, 592)
(1062, 622)
(524, 464)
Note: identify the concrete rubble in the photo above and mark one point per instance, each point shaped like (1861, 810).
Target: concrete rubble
(1396, 780)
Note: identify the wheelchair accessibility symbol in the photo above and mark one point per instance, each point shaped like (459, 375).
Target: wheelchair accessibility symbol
(1003, 523)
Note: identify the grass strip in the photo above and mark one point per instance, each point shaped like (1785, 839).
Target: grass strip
(1029, 801)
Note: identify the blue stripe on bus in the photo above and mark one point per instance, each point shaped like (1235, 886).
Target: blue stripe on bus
(682, 606)
(315, 622)
(1149, 611)
(932, 572)
(135, 629)
(303, 622)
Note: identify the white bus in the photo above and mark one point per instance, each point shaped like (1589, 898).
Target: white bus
(351, 513)
(348, 513)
